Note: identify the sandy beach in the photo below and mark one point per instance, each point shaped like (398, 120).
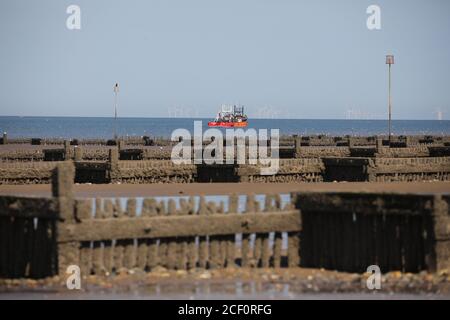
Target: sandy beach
(174, 189)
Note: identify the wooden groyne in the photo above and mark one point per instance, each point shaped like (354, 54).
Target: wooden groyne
(339, 231)
(306, 164)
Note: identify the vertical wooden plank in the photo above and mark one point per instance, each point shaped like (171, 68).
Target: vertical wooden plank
(265, 255)
(29, 226)
(306, 244)
(265, 250)
(108, 253)
(346, 243)
(382, 243)
(62, 190)
(415, 239)
(257, 249)
(293, 249)
(203, 244)
(148, 247)
(85, 258)
(386, 244)
(97, 250)
(182, 247)
(230, 239)
(3, 248)
(325, 239)
(277, 202)
(277, 246)
(222, 240)
(398, 256)
(162, 249)
(363, 234)
(428, 243)
(192, 247)
(407, 243)
(337, 241)
(354, 241)
(375, 241)
(118, 211)
(278, 240)
(214, 242)
(392, 242)
(142, 244)
(40, 245)
(181, 253)
(172, 242)
(17, 248)
(371, 258)
(84, 212)
(52, 240)
(34, 262)
(420, 236)
(129, 251)
(119, 248)
(19, 252)
(245, 247)
(371, 230)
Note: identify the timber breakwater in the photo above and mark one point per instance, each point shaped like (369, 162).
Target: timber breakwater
(301, 159)
(344, 231)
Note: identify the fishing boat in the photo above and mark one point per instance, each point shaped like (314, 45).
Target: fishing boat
(230, 117)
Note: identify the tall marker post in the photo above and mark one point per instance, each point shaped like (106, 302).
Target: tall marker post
(390, 61)
(116, 91)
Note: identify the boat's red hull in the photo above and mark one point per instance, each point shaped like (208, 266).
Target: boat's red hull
(227, 124)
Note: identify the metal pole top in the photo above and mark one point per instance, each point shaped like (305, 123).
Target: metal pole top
(389, 59)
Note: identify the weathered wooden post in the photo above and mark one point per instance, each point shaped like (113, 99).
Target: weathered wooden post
(277, 237)
(351, 142)
(298, 143)
(202, 240)
(5, 138)
(67, 150)
(78, 153)
(113, 164)
(407, 141)
(231, 246)
(120, 144)
(62, 191)
(441, 223)
(379, 145)
(129, 249)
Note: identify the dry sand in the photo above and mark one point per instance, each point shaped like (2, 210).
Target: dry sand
(131, 190)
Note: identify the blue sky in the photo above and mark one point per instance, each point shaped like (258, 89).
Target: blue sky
(285, 58)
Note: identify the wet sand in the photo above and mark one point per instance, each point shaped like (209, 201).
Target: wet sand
(151, 190)
(234, 283)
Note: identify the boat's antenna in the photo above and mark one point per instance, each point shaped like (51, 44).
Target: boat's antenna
(116, 91)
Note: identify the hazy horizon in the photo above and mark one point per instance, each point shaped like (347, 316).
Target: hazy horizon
(209, 118)
(172, 58)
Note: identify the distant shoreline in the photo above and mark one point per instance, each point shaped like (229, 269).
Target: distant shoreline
(209, 118)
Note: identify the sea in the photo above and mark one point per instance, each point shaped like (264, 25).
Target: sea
(103, 127)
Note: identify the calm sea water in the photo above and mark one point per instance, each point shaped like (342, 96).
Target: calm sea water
(95, 127)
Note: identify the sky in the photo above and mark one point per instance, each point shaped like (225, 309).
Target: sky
(278, 58)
